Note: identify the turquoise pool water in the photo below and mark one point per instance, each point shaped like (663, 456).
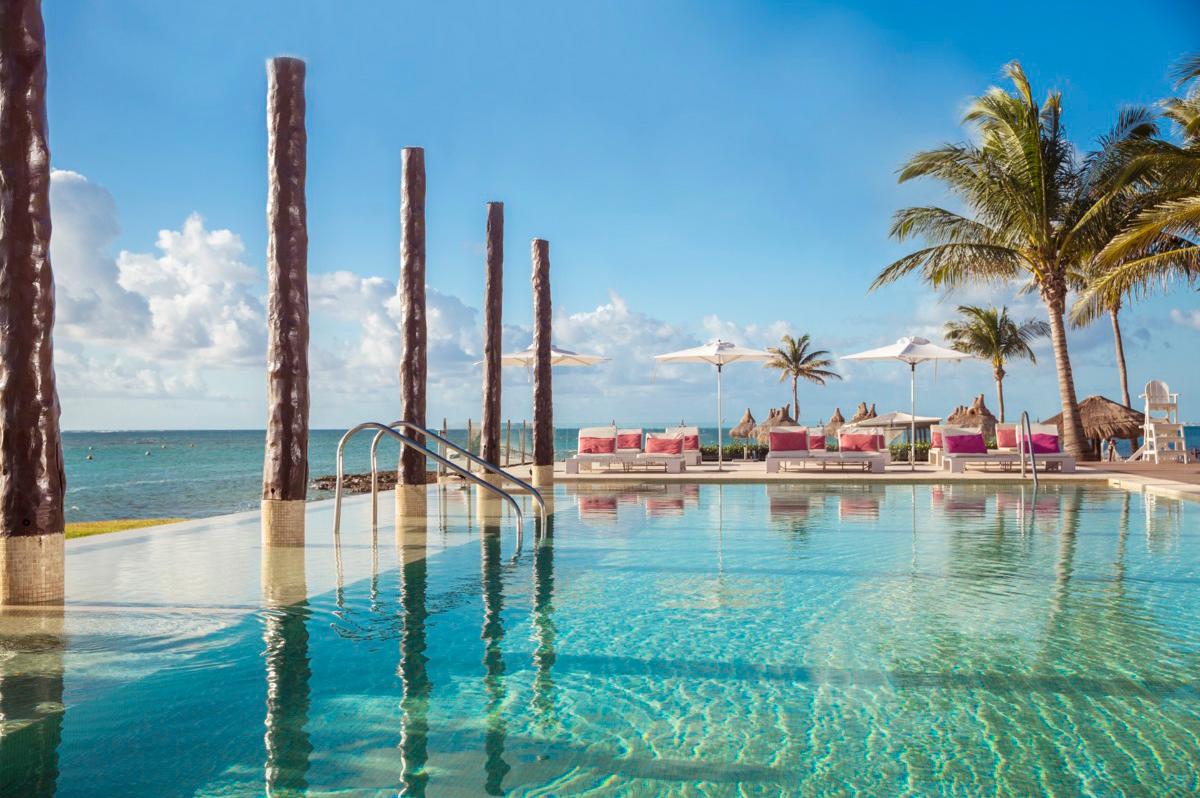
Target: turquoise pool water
(731, 640)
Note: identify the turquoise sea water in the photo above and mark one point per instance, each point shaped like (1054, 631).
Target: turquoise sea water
(195, 474)
(739, 640)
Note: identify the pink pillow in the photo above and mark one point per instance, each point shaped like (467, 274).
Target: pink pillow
(971, 443)
(1006, 437)
(859, 442)
(936, 443)
(1043, 443)
(816, 443)
(629, 440)
(597, 445)
(691, 442)
(656, 445)
(789, 441)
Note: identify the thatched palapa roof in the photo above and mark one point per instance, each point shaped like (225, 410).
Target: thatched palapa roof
(745, 427)
(777, 417)
(977, 416)
(1103, 418)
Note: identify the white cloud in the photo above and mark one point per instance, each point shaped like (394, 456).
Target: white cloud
(1186, 318)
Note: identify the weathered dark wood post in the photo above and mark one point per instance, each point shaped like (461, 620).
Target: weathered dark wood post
(493, 303)
(543, 400)
(32, 483)
(410, 480)
(285, 467)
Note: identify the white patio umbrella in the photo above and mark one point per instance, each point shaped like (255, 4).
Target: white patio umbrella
(558, 357)
(718, 353)
(912, 351)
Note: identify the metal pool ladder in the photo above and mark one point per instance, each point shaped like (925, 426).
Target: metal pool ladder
(405, 440)
(1025, 442)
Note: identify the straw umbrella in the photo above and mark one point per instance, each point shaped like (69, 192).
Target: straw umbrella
(717, 353)
(745, 427)
(912, 351)
(1103, 418)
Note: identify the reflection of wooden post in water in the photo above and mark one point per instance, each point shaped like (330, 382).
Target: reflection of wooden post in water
(495, 728)
(285, 634)
(411, 480)
(415, 686)
(285, 471)
(31, 695)
(543, 622)
(32, 482)
(543, 399)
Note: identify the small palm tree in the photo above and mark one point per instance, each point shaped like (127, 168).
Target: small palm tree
(794, 359)
(990, 333)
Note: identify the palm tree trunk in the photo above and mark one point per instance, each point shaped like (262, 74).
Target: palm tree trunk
(1073, 439)
(1116, 325)
(998, 373)
(795, 400)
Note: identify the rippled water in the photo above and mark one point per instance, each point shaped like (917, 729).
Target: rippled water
(718, 640)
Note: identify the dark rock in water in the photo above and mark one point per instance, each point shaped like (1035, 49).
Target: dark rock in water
(361, 483)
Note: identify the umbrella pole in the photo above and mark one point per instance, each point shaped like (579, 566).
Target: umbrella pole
(912, 432)
(720, 452)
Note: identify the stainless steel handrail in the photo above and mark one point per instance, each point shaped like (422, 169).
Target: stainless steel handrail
(407, 441)
(479, 461)
(1025, 442)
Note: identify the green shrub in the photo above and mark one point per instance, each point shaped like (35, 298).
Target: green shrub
(734, 451)
(900, 452)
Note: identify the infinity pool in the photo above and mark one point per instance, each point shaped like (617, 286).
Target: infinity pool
(663, 640)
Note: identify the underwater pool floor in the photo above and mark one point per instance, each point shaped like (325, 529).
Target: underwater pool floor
(683, 640)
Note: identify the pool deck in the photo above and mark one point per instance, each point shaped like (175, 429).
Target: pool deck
(1168, 479)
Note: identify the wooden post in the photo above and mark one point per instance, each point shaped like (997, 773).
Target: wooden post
(469, 431)
(32, 482)
(285, 467)
(508, 443)
(410, 480)
(543, 399)
(493, 304)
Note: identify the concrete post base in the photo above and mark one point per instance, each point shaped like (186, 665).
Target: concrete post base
(283, 522)
(31, 569)
(488, 506)
(412, 504)
(543, 475)
(283, 576)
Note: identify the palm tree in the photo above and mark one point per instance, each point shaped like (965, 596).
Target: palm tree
(990, 333)
(1162, 241)
(794, 359)
(1027, 221)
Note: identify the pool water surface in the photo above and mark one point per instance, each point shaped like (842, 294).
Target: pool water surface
(683, 640)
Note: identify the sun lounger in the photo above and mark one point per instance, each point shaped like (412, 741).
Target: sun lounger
(691, 442)
(665, 450)
(857, 449)
(786, 445)
(962, 450)
(597, 447)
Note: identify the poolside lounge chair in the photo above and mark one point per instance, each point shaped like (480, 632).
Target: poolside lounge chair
(691, 442)
(969, 448)
(936, 434)
(597, 446)
(786, 445)
(860, 448)
(1006, 438)
(665, 450)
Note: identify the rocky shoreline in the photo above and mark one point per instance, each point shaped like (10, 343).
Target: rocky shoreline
(361, 483)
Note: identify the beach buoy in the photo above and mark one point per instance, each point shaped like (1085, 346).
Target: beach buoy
(90, 457)
(163, 446)
(147, 452)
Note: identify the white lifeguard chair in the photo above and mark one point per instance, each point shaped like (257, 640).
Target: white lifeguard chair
(1162, 432)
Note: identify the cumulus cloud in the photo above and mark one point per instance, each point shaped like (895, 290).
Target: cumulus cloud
(1186, 318)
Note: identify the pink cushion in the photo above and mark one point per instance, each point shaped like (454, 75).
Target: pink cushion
(1043, 443)
(691, 443)
(859, 442)
(629, 440)
(1006, 437)
(655, 445)
(597, 445)
(972, 443)
(789, 441)
(936, 443)
(816, 443)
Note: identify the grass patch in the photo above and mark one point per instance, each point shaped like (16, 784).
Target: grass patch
(83, 529)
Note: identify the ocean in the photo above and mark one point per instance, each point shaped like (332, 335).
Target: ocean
(182, 474)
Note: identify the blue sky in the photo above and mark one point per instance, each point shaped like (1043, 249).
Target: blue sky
(698, 168)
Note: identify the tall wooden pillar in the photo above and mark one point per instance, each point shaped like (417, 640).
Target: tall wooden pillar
(410, 482)
(493, 303)
(285, 467)
(32, 483)
(543, 400)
